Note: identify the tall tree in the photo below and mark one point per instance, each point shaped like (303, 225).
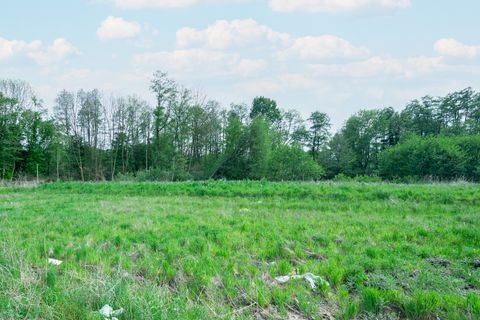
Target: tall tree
(10, 136)
(267, 108)
(362, 136)
(319, 132)
(90, 122)
(259, 148)
(165, 90)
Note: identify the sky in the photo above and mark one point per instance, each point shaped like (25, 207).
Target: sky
(334, 56)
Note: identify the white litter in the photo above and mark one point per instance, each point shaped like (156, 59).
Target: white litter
(54, 262)
(108, 313)
(310, 278)
(282, 279)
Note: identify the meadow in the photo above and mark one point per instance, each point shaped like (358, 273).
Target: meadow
(214, 250)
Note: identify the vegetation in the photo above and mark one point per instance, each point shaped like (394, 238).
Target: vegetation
(438, 158)
(212, 250)
(185, 136)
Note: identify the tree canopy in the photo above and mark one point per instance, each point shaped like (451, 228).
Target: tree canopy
(185, 135)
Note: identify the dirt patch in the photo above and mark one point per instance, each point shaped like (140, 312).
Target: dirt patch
(438, 262)
(268, 280)
(314, 255)
(476, 263)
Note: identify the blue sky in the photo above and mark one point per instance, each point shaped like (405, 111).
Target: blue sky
(336, 56)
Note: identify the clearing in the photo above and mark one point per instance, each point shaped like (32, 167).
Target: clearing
(213, 250)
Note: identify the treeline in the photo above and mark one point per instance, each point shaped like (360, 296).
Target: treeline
(186, 136)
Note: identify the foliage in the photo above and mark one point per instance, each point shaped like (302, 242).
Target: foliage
(292, 163)
(267, 108)
(319, 132)
(440, 158)
(259, 148)
(186, 136)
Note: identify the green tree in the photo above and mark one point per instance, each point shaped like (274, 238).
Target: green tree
(319, 132)
(165, 90)
(368, 133)
(419, 118)
(267, 108)
(259, 148)
(338, 157)
(38, 140)
(10, 136)
(233, 164)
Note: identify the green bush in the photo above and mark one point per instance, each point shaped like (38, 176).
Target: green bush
(437, 158)
(292, 163)
(470, 146)
(157, 175)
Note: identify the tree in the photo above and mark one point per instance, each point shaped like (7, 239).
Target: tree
(65, 120)
(319, 132)
(338, 157)
(38, 140)
(165, 90)
(90, 121)
(267, 108)
(290, 124)
(419, 118)
(10, 136)
(21, 92)
(259, 148)
(186, 135)
(64, 112)
(367, 134)
(233, 164)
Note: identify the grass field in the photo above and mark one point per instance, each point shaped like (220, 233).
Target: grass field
(213, 250)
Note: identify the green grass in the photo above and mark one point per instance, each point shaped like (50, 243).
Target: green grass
(212, 250)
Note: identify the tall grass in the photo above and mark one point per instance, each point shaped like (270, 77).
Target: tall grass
(212, 250)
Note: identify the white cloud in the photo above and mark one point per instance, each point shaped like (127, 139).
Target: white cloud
(118, 28)
(280, 83)
(8, 48)
(381, 66)
(186, 60)
(170, 4)
(224, 35)
(322, 47)
(455, 48)
(200, 61)
(59, 50)
(230, 34)
(336, 5)
(210, 50)
(139, 4)
(247, 67)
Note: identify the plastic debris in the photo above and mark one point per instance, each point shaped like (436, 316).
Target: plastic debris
(313, 280)
(54, 262)
(310, 278)
(108, 313)
(282, 279)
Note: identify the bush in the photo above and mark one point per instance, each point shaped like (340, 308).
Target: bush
(470, 147)
(292, 163)
(156, 175)
(341, 177)
(438, 158)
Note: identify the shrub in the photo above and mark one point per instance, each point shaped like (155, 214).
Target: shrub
(438, 158)
(292, 163)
